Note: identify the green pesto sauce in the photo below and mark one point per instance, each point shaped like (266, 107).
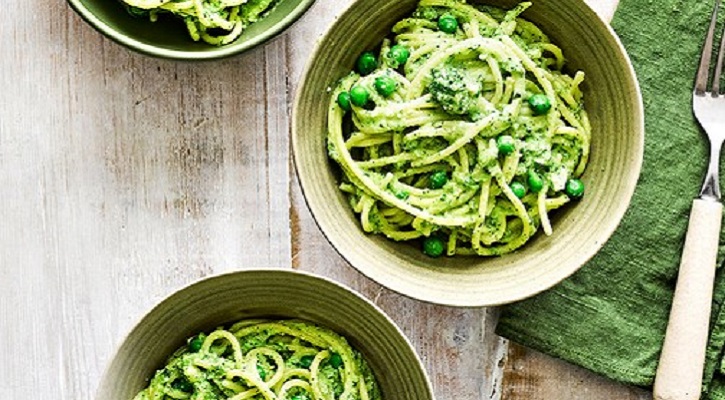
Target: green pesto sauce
(460, 93)
(217, 23)
(208, 374)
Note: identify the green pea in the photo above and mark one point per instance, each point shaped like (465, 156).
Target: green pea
(385, 85)
(366, 63)
(399, 54)
(448, 23)
(575, 188)
(438, 180)
(343, 100)
(306, 361)
(359, 96)
(262, 373)
(539, 104)
(519, 189)
(536, 183)
(183, 385)
(433, 246)
(506, 144)
(335, 360)
(196, 343)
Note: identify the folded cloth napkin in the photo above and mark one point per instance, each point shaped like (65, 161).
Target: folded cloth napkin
(610, 317)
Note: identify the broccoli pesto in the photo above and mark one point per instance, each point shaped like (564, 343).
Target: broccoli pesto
(462, 132)
(457, 91)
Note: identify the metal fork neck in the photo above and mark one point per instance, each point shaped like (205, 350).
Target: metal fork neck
(711, 187)
(710, 190)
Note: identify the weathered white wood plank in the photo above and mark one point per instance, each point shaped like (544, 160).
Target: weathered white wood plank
(530, 375)
(123, 178)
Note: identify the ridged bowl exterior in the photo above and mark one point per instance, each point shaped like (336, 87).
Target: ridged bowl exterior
(228, 298)
(168, 38)
(614, 104)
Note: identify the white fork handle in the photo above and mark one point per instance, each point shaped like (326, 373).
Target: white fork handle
(679, 374)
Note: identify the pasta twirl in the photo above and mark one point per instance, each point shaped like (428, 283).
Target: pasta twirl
(462, 131)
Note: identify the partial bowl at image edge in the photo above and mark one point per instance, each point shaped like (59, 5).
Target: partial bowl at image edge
(168, 39)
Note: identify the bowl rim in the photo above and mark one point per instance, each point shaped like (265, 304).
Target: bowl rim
(146, 315)
(215, 53)
(558, 275)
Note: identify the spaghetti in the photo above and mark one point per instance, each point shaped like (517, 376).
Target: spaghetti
(463, 131)
(216, 22)
(265, 360)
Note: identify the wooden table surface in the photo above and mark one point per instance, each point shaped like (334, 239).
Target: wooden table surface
(124, 177)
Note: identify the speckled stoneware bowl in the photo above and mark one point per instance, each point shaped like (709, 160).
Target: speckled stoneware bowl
(168, 37)
(228, 298)
(614, 104)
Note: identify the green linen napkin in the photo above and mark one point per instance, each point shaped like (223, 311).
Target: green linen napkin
(610, 317)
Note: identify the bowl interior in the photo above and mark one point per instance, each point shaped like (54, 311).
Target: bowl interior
(614, 105)
(265, 293)
(168, 36)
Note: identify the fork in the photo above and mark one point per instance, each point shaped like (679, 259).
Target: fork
(679, 373)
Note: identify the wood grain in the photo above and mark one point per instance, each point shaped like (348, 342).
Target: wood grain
(123, 178)
(534, 376)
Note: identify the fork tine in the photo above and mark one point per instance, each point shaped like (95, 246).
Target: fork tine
(718, 67)
(702, 71)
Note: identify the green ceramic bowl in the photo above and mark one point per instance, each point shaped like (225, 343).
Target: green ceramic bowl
(168, 37)
(614, 105)
(228, 298)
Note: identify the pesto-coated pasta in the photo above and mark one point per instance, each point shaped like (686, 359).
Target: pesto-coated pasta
(463, 131)
(216, 22)
(265, 360)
